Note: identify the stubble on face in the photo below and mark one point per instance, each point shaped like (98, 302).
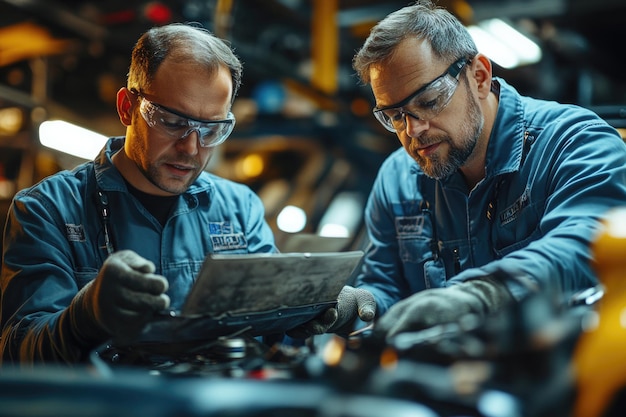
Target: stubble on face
(169, 183)
(169, 165)
(159, 171)
(441, 165)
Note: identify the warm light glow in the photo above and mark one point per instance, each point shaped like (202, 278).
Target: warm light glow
(388, 358)
(71, 139)
(333, 351)
(7, 187)
(251, 166)
(503, 44)
(11, 119)
(291, 219)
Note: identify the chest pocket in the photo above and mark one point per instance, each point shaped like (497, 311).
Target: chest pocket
(416, 237)
(429, 262)
(419, 251)
(181, 275)
(516, 225)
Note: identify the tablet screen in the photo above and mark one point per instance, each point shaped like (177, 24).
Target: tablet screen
(234, 284)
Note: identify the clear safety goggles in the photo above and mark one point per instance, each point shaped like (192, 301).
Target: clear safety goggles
(425, 103)
(178, 126)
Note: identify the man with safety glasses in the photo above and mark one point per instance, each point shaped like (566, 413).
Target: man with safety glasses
(90, 255)
(493, 195)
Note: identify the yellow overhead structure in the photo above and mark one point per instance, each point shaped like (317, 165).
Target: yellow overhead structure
(325, 45)
(223, 18)
(23, 41)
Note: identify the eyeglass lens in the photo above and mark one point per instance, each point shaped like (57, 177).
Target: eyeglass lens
(210, 133)
(424, 104)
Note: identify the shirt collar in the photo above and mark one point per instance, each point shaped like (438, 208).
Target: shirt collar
(504, 152)
(110, 179)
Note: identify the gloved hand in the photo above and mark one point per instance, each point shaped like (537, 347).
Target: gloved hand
(120, 300)
(351, 303)
(436, 306)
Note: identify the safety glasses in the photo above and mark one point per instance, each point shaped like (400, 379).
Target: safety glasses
(178, 126)
(425, 103)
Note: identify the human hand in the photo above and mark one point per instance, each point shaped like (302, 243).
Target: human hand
(351, 303)
(121, 299)
(436, 306)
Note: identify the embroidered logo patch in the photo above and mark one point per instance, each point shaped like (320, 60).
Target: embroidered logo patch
(512, 212)
(225, 242)
(75, 232)
(220, 228)
(223, 238)
(410, 225)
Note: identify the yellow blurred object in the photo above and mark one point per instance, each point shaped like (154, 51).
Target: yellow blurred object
(325, 45)
(599, 359)
(22, 41)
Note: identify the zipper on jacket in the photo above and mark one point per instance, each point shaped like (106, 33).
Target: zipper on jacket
(103, 204)
(457, 260)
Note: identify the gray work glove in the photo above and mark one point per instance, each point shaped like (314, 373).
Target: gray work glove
(120, 300)
(351, 303)
(435, 306)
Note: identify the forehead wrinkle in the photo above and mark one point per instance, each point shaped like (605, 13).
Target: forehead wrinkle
(400, 83)
(193, 91)
(408, 68)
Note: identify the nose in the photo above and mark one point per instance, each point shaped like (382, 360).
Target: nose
(414, 126)
(190, 142)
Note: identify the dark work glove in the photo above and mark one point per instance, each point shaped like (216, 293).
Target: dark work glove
(351, 303)
(120, 300)
(436, 306)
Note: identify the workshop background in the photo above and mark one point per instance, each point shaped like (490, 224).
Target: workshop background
(307, 143)
(305, 139)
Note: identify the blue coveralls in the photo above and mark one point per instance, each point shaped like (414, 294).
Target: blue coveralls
(552, 171)
(55, 244)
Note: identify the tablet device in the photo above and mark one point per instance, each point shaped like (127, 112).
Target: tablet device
(255, 293)
(234, 284)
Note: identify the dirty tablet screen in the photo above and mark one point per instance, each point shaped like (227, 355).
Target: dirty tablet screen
(233, 284)
(254, 293)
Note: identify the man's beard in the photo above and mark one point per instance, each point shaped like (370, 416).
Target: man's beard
(153, 171)
(155, 175)
(441, 166)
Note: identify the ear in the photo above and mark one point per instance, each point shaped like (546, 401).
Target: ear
(125, 102)
(480, 71)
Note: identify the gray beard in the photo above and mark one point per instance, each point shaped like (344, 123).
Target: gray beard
(439, 167)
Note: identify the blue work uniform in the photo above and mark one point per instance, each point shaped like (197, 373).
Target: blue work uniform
(552, 171)
(55, 242)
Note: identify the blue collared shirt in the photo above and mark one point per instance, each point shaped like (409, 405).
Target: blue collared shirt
(55, 244)
(552, 171)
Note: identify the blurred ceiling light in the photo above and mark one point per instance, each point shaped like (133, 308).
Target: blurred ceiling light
(503, 44)
(334, 230)
(71, 139)
(250, 166)
(615, 223)
(343, 215)
(11, 120)
(291, 219)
